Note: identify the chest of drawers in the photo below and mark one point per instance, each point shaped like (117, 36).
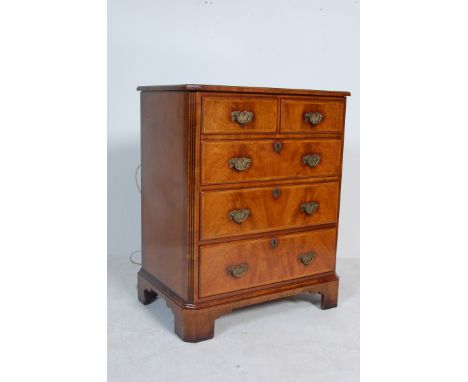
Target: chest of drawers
(240, 198)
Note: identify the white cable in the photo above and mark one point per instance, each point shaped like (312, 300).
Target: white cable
(139, 189)
(131, 258)
(136, 178)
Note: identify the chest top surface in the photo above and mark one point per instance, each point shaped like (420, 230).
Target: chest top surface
(241, 89)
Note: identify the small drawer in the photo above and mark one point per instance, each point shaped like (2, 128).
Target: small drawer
(239, 115)
(245, 264)
(250, 160)
(263, 209)
(314, 115)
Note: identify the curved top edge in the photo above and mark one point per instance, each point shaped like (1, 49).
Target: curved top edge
(240, 89)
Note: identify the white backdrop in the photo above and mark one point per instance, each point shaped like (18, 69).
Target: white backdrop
(296, 43)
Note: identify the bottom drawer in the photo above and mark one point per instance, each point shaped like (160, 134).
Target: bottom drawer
(249, 263)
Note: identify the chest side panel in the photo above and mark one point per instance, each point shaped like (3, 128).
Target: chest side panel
(164, 185)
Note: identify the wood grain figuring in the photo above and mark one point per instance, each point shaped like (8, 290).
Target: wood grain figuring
(293, 112)
(266, 264)
(267, 212)
(266, 163)
(194, 253)
(217, 114)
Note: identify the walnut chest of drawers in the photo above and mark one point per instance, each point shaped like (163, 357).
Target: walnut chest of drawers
(240, 198)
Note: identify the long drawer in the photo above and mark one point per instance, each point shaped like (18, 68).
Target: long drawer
(262, 209)
(250, 263)
(268, 159)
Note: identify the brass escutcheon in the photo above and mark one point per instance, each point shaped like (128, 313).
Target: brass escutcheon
(276, 193)
(242, 117)
(274, 243)
(314, 118)
(277, 146)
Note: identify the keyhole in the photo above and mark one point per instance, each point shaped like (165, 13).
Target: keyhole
(274, 243)
(276, 193)
(277, 146)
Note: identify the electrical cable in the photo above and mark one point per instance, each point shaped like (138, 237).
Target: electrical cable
(136, 178)
(131, 257)
(139, 189)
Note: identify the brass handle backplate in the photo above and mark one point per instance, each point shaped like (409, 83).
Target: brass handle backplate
(309, 208)
(242, 117)
(311, 160)
(238, 270)
(313, 118)
(239, 216)
(307, 258)
(240, 164)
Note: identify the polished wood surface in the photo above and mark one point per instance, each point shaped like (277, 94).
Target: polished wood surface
(217, 114)
(266, 263)
(163, 188)
(293, 111)
(189, 187)
(271, 208)
(241, 89)
(267, 164)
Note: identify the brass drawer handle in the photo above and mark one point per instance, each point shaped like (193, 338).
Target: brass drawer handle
(309, 208)
(238, 270)
(313, 118)
(239, 216)
(242, 117)
(307, 258)
(311, 160)
(240, 164)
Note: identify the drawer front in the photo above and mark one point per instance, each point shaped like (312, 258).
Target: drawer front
(254, 210)
(242, 161)
(315, 115)
(239, 115)
(250, 263)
